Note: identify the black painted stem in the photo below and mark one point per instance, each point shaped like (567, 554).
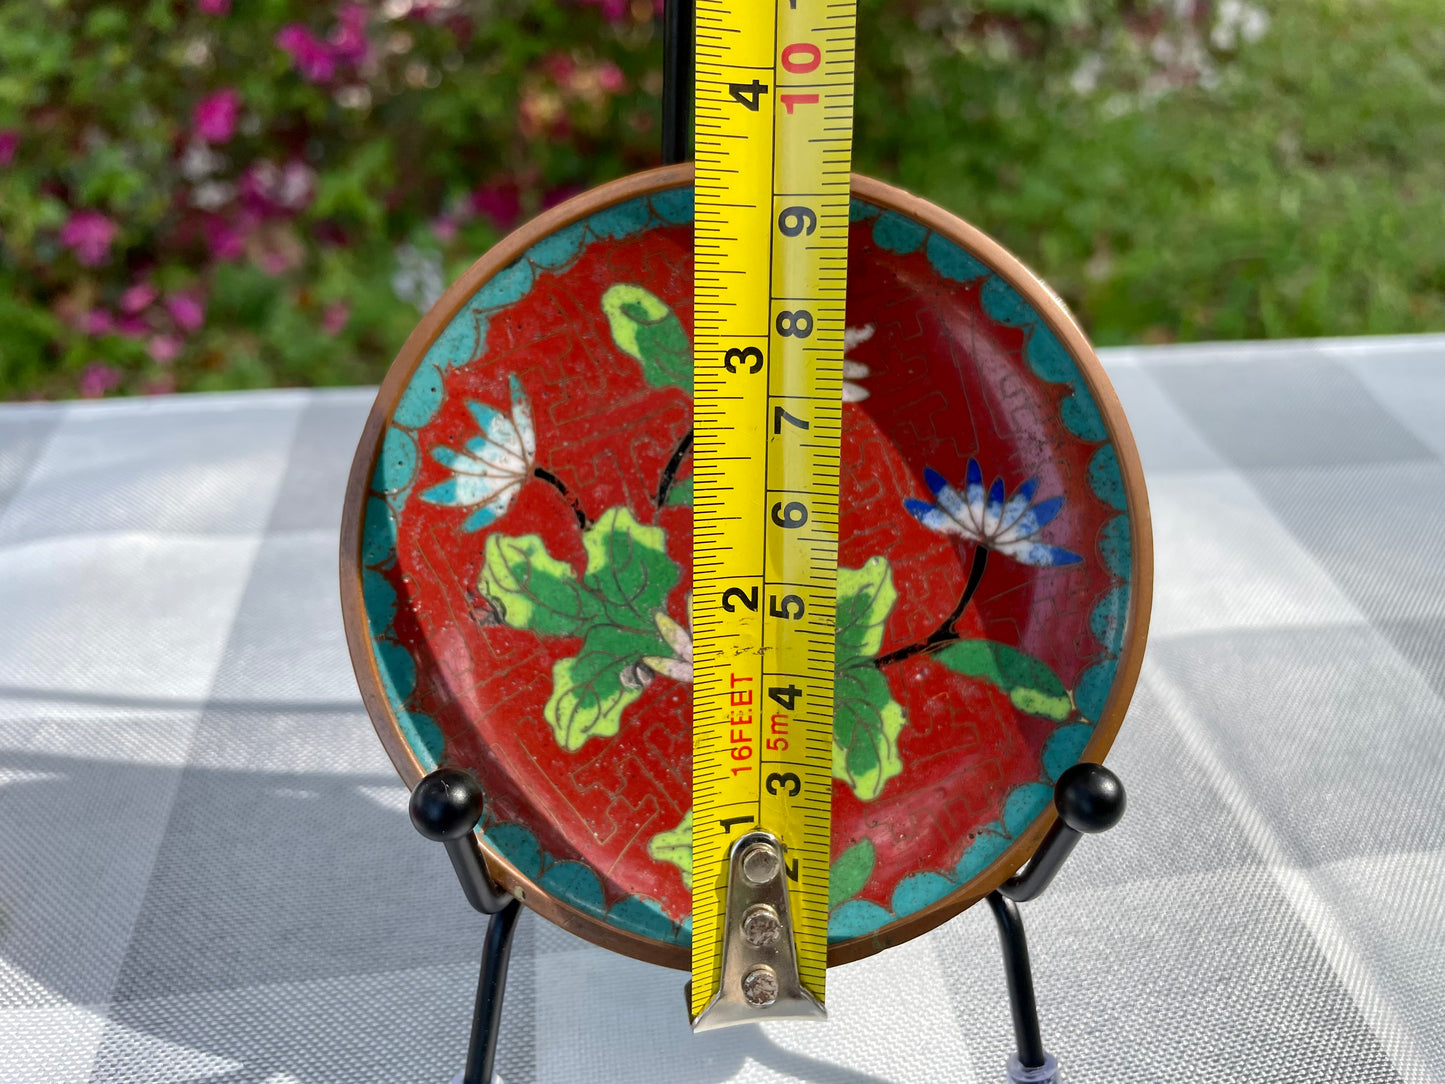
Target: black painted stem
(583, 522)
(669, 472)
(944, 634)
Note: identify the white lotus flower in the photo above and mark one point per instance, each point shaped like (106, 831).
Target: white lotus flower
(494, 466)
(854, 370)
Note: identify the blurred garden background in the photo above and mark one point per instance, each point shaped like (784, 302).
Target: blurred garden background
(201, 194)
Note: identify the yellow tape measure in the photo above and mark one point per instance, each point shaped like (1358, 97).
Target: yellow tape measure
(774, 121)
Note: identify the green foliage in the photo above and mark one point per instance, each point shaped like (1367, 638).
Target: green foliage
(850, 872)
(643, 326)
(617, 610)
(866, 718)
(675, 846)
(1174, 177)
(613, 609)
(1031, 686)
(434, 126)
(1289, 186)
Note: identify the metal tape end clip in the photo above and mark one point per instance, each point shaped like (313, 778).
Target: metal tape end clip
(759, 956)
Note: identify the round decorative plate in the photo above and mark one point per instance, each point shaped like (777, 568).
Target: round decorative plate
(516, 564)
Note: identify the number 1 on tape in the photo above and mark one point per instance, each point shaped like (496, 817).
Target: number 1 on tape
(774, 115)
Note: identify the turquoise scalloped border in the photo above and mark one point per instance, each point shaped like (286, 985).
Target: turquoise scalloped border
(464, 339)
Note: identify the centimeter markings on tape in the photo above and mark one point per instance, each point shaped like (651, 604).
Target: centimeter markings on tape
(774, 121)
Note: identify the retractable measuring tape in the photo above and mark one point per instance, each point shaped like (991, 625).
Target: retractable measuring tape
(774, 121)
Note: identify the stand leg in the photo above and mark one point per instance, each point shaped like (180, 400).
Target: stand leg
(1031, 1063)
(677, 76)
(1089, 798)
(491, 985)
(445, 806)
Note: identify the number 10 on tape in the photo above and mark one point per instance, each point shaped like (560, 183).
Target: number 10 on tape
(774, 115)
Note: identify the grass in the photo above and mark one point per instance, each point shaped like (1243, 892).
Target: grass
(1302, 195)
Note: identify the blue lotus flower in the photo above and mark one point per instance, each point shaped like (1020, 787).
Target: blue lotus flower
(1007, 526)
(494, 466)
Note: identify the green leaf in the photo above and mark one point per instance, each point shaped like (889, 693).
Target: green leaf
(645, 328)
(351, 190)
(866, 725)
(1031, 686)
(681, 492)
(629, 571)
(675, 847)
(850, 872)
(865, 598)
(613, 608)
(866, 719)
(974, 658)
(1025, 671)
(106, 22)
(588, 693)
(531, 589)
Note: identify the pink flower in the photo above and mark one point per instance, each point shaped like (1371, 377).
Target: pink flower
(560, 67)
(132, 327)
(98, 378)
(308, 52)
(214, 7)
(186, 310)
(274, 261)
(500, 202)
(137, 298)
(444, 228)
(348, 40)
(610, 77)
(90, 234)
(256, 185)
(164, 348)
(214, 118)
(98, 322)
(223, 239)
(9, 140)
(335, 318)
(297, 186)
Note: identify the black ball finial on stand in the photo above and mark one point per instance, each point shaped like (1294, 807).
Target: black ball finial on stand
(446, 804)
(1089, 798)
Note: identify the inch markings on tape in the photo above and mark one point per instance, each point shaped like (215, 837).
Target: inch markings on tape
(773, 137)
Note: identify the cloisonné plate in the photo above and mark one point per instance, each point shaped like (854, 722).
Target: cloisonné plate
(516, 564)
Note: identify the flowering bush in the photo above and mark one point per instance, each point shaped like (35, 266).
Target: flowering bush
(202, 194)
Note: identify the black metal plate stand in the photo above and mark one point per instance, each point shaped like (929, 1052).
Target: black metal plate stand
(445, 807)
(447, 804)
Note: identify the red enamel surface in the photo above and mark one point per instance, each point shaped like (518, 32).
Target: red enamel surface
(946, 383)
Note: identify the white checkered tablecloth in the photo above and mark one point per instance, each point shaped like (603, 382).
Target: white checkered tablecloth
(207, 872)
